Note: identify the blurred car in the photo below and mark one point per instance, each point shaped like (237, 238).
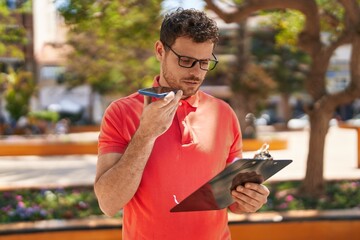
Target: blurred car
(302, 121)
(267, 117)
(355, 120)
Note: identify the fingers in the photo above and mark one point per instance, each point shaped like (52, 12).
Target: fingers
(166, 100)
(251, 197)
(172, 98)
(147, 100)
(258, 188)
(172, 104)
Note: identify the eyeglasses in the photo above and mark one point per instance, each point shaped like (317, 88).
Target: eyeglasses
(189, 62)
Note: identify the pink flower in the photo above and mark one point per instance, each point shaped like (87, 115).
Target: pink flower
(283, 206)
(21, 204)
(289, 198)
(19, 198)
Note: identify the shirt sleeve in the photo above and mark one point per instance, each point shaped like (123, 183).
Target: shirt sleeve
(112, 138)
(236, 147)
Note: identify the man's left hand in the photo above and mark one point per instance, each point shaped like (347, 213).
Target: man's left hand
(249, 198)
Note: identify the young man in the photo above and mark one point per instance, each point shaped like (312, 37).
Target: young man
(155, 152)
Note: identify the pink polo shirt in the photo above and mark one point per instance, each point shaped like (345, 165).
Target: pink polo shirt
(202, 139)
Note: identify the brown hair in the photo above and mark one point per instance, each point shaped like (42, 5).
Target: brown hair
(190, 23)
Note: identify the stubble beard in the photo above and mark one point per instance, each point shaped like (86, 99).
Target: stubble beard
(174, 83)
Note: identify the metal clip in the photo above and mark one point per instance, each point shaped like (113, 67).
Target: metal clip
(263, 153)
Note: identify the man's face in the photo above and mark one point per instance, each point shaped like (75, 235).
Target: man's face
(188, 80)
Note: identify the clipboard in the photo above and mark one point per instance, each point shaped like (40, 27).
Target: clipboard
(216, 193)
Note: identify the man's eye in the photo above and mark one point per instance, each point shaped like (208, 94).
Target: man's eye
(186, 60)
(205, 62)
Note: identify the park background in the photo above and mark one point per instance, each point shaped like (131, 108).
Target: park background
(295, 72)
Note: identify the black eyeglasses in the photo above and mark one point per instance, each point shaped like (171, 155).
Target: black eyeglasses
(189, 62)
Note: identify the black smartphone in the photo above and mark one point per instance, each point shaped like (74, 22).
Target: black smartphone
(158, 92)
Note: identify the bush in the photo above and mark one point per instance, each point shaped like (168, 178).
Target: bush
(48, 116)
(21, 86)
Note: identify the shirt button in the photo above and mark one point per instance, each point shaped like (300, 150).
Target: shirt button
(180, 103)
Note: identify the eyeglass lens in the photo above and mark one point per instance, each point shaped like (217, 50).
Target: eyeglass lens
(188, 62)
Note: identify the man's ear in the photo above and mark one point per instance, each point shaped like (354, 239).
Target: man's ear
(159, 50)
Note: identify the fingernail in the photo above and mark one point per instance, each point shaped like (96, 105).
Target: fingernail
(169, 96)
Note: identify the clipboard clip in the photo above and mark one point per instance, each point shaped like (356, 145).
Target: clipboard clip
(263, 153)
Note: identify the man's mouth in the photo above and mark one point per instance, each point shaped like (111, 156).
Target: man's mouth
(191, 81)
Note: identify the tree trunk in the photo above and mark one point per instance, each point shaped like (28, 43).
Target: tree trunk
(240, 105)
(239, 102)
(90, 107)
(284, 107)
(313, 184)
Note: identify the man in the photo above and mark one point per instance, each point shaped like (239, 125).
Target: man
(155, 152)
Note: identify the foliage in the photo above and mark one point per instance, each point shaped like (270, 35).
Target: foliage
(337, 195)
(12, 34)
(48, 116)
(255, 82)
(32, 205)
(112, 43)
(287, 65)
(81, 202)
(21, 86)
(288, 24)
(247, 80)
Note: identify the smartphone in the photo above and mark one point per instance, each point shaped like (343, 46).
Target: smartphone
(158, 92)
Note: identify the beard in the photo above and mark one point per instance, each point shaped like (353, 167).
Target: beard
(182, 83)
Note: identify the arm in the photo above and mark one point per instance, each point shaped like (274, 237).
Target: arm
(118, 175)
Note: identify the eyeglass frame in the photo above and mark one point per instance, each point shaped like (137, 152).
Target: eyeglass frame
(195, 60)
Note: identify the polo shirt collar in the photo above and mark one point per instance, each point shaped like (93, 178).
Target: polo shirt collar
(193, 100)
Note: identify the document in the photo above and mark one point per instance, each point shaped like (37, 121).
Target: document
(216, 193)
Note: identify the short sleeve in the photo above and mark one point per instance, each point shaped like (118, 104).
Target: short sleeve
(236, 147)
(120, 122)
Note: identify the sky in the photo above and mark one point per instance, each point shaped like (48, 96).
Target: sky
(169, 5)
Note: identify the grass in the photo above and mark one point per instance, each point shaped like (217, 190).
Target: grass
(80, 202)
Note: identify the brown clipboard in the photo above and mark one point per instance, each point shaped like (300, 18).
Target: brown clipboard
(216, 193)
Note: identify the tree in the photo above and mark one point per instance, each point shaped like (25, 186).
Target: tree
(285, 64)
(12, 34)
(340, 20)
(21, 86)
(12, 42)
(112, 44)
(249, 82)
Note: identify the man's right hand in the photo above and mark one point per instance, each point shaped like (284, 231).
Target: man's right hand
(157, 116)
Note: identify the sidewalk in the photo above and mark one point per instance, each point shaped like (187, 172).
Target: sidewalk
(31, 171)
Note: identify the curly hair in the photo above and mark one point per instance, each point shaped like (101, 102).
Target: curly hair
(188, 23)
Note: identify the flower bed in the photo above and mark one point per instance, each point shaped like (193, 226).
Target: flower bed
(344, 194)
(42, 204)
(80, 202)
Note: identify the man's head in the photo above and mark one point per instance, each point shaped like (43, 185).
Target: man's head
(188, 23)
(185, 49)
